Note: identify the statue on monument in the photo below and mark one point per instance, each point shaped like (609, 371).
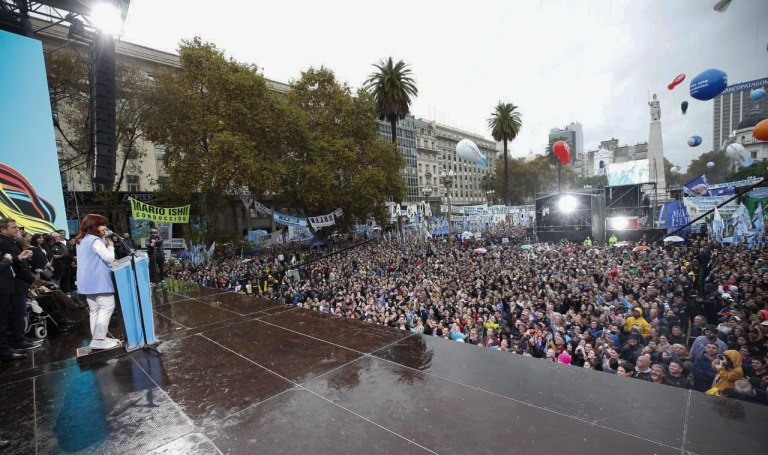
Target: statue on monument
(655, 109)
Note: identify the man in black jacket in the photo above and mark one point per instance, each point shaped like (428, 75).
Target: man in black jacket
(15, 279)
(156, 256)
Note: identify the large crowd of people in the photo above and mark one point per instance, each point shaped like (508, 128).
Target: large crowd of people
(692, 315)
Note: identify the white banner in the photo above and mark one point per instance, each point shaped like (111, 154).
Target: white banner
(261, 208)
(322, 221)
(288, 220)
(246, 199)
(700, 205)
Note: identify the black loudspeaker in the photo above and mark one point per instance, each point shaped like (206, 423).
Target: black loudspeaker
(103, 108)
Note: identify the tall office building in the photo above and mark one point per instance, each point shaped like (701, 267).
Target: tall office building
(437, 153)
(731, 106)
(574, 136)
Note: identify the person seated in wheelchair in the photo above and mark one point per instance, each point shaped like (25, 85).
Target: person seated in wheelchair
(64, 311)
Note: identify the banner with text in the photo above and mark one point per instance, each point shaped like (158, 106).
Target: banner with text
(322, 221)
(288, 220)
(142, 211)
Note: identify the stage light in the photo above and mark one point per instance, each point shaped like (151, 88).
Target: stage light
(106, 17)
(567, 203)
(620, 222)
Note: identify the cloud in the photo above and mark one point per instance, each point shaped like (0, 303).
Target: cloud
(594, 62)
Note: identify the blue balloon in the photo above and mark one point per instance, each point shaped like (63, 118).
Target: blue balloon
(757, 94)
(708, 84)
(694, 141)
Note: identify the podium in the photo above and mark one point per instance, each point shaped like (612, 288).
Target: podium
(135, 300)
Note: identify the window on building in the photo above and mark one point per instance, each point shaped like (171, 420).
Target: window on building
(133, 183)
(159, 152)
(754, 155)
(162, 182)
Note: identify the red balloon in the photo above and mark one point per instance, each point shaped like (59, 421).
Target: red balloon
(680, 78)
(562, 152)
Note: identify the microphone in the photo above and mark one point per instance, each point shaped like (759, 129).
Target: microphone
(109, 233)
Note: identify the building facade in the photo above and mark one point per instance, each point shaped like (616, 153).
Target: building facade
(406, 145)
(731, 106)
(595, 162)
(467, 184)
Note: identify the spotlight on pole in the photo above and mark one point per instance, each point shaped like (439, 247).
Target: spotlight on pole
(567, 203)
(107, 17)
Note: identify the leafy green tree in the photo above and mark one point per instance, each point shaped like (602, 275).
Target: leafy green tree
(758, 169)
(222, 126)
(718, 174)
(392, 88)
(594, 181)
(344, 162)
(70, 98)
(505, 124)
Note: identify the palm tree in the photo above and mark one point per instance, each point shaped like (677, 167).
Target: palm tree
(392, 89)
(505, 124)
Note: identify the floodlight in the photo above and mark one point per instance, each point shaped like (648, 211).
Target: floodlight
(620, 222)
(106, 17)
(567, 203)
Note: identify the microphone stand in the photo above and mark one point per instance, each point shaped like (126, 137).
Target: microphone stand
(132, 253)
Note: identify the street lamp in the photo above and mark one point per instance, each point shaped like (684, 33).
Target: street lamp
(490, 194)
(447, 180)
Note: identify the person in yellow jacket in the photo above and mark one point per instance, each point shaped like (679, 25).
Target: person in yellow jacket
(728, 368)
(636, 319)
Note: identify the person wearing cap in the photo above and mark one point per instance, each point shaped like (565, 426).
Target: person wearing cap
(632, 350)
(700, 343)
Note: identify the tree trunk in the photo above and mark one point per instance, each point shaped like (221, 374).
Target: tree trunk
(506, 174)
(393, 124)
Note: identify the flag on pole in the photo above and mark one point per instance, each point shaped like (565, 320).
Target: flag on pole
(759, 222)
(717, 227)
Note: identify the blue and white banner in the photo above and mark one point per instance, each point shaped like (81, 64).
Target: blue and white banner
(677, 217)
(298, 234)
(697, 187)
(288, 220)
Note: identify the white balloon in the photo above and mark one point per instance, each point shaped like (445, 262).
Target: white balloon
(467, 150)
(737, 152)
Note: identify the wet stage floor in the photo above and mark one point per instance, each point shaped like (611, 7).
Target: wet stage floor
(240, 375)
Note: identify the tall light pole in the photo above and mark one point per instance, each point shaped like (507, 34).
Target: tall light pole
(447, 180)
(426, 213)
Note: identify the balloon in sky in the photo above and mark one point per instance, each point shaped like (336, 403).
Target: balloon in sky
(684, 107)
(761, 131)
(694, 141)
(680, 78)
(562, 152)
(722, 5)
(710, 165)
(757, 94)
(708, 84)
(467, 150)
(737, 152)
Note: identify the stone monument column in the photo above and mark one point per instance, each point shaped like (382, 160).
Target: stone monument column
(656, 151)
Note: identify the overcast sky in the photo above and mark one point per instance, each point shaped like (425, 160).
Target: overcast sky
(591, 61)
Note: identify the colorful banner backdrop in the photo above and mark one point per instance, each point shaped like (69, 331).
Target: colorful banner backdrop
(143, 211)
(30, 182)
(288, 220)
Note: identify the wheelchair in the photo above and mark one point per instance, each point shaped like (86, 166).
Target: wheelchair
(36, 321)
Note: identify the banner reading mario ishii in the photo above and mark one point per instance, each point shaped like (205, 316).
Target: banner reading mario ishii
(142, 211)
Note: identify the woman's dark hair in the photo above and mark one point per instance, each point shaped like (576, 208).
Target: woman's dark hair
(90, 225)
(37, 237)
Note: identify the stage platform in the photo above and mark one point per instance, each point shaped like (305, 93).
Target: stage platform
(239, 375)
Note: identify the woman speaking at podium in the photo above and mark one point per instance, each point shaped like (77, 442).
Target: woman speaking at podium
(95, 253)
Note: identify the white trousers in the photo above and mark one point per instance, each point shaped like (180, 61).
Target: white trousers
(101, 307)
